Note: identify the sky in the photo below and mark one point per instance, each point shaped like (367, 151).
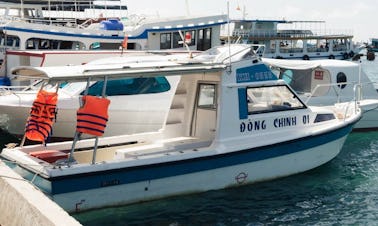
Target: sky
(357, 17)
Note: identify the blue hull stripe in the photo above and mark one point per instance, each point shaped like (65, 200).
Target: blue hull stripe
(86, 181)
(64, 33)
(143, 35)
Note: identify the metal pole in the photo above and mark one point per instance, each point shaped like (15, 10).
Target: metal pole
(96, 139)
(78, 134)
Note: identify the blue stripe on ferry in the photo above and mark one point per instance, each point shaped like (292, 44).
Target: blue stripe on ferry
(143, 35)
(120, 176)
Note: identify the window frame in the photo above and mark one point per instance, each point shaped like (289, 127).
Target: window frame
(274, 108)
(212, 106)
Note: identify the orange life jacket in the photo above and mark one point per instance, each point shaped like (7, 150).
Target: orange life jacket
(93, 115)
(42, 115)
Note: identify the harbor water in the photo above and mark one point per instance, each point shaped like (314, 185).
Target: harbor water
(342, 192)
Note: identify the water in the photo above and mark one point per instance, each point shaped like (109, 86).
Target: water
(341, 192)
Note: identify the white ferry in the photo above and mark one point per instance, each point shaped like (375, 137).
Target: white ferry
(30, 27)
(291, 39)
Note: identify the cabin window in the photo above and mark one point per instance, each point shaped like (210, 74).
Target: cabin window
(130, 86)
(341, 78)
(36, 43)
(66, 45)
(204, 39)
(177, 40)
(104, 45)
(271, 99)
(206, 96)
(165, 41)
(12, 41)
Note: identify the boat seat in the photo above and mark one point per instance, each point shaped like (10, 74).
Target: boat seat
(49, 156)
(162, 147)
(139, 151)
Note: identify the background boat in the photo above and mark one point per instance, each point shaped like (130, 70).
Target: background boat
(293, 39)
(324, 82)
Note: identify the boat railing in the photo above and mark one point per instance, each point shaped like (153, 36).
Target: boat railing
(46, 21)
(336, 87)
(290, 34)
(357, 90)
(345, 109)
(13, 90)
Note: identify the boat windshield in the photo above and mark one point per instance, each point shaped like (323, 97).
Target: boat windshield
(270, 99)
(126, 86)
(74, 87)
(220, 53)
(130, 86)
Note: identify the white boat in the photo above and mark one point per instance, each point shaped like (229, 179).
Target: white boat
(231, 122)
(137, 105)
(27, 27)
(291, 39)
(325, 82)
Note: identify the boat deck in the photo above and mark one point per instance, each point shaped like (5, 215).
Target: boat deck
(142, 149)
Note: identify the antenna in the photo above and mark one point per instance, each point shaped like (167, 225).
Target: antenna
(228, 33)
(185, 41)
(187, 7)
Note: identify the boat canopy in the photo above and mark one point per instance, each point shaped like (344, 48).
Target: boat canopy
(98, 72)
(306, 64)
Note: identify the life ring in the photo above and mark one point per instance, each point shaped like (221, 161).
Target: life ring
(331, 57)
(306, 57)
(345, 55)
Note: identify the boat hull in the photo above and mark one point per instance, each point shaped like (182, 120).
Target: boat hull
(131, 185)
(369, 121)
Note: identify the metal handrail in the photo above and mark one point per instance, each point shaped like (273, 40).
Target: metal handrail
(357, 90)
(331, 85)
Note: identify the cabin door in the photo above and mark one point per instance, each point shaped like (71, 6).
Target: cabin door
(205, 113)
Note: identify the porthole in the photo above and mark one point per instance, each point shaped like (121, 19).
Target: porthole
(341, 78)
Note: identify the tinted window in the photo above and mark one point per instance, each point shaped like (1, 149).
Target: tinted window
(165, 41)
(130, 86)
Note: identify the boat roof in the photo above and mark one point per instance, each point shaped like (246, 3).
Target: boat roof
(141, 65)
(147, 65)
(283, 21)
(307, 64)
(45, 2)
(62, 4)
(114, 71)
